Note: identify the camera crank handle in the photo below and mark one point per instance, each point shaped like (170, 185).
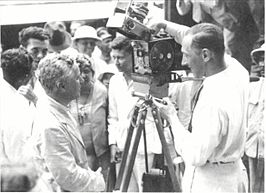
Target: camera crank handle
(152, 31)
(191, 79)
(160, 100)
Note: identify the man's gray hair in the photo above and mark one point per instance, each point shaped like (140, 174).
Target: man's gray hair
(55, 68)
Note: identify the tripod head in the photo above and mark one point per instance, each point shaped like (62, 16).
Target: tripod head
(148, 98)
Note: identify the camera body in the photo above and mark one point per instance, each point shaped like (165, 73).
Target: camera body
(160, 55)
(128, 21)
(154, 57)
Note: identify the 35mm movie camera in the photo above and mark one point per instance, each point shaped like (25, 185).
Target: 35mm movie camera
(155, 57)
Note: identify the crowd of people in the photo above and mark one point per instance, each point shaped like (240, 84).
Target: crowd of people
(67, 104)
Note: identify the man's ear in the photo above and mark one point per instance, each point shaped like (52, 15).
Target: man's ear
(206, 54)
(22, 48)
(60, 85)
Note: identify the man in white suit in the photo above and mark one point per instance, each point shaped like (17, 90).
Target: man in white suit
(60, 151)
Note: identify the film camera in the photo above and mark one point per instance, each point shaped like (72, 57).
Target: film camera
(155, 57)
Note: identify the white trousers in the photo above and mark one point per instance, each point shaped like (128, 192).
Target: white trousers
(230, 177)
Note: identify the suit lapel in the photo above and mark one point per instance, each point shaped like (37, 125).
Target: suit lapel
(70, 125)
(72, 128)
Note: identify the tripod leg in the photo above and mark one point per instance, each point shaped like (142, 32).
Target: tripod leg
(158, 123)
(126, 149)
(129, 169)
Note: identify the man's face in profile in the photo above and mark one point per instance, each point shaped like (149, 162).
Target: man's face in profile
(86, 46)
(192, 58)
(123, 60)
(72, 85)
(104, 45)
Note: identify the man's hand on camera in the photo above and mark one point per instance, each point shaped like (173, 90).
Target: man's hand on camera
(156, 25)
(167, 111)
(115, 154)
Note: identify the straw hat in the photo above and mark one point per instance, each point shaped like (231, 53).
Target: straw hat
(260, 49)
(103, 33)
(85, 31)
(257, 53)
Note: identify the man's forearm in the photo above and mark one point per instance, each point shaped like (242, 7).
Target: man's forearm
(177, 31)
(179, 132)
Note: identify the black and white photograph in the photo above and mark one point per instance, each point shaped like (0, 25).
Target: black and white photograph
(132, 96)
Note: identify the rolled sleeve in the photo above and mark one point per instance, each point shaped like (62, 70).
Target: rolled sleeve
(177, 31)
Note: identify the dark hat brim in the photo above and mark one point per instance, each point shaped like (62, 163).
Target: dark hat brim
(67, 43)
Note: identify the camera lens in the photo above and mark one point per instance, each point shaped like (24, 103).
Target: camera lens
(169, 55)
(130, 24)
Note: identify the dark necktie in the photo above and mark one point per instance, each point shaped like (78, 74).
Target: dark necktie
(194, 102)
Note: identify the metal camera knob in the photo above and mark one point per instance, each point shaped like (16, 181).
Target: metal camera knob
(130, 24)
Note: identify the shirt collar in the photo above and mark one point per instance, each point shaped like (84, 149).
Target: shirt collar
(61, 108)
(7, 85)
(215, 77)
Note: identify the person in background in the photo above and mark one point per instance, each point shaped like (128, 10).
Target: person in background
(105, 46)
(74, 25)
(90, 111)
(254, 148)
(59, 148)
(105, 78)
(1, 50)
(60, 39)
(17, 169)
(213, 145)
(15, 122)
(257, 9)
(36, 41)
(234, 17)
(121, 105)
(84, 41)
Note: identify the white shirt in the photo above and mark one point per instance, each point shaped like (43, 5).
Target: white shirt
(219, 120)
(218, 129)
(218, 133)
(180, 95)
(121, 105)
(256, 123)
(15, 123)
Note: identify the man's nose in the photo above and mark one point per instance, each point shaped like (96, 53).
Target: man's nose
(40, 54)
(116, 61)
(184, 61)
